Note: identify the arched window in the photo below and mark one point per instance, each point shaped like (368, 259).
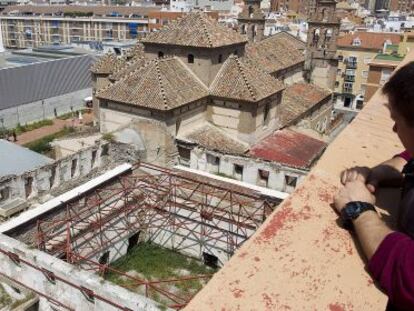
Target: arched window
(220, 58)
(160, 54)
(250, 11)
(190, 58)
(316, 34)
(243, 29)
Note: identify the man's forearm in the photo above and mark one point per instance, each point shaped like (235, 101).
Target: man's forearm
(371, 231)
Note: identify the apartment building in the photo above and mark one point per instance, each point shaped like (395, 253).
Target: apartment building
(355, 52)
(380, 70)
(303, 7)
(405, 6)
(407, 43)
(34, 26)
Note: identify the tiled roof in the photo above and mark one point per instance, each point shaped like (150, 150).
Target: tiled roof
(161, 84)
(215, 139)
(137, 51)
(106, 64)
(299, 98)
(369, 40)
(277, 52)
(240, 80)
(111, 64)
(195, 29)
(127, 67)
(288, 148)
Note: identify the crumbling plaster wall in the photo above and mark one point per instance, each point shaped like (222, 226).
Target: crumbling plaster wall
(324, 73)
(277, 173)
(292, 75)
(157, 129)
(319, 118)
(31, 276)
(42, 180)
(245, 121)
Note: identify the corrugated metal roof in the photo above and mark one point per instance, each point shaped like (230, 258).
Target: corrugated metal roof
(26, 84)
(15, 160)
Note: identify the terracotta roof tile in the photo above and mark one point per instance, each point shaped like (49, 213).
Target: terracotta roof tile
(195, 29)
(288, 148)
(161, 84)
(299, 98)
(137, 51)
(106, 64)
(238, 79)
(215, 139)
(127, 67)
(369, 40)
(277, 52)
(110, 63)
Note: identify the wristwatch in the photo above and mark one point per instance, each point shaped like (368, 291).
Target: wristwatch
(352, 210)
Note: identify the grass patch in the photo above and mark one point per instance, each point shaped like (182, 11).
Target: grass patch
(32, 126)
(42, 145)
(22, 301)
(108, 137)
(155, 263)
(5, 299)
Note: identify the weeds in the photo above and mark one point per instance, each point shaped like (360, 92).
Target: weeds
(42, 145)
(156, 263)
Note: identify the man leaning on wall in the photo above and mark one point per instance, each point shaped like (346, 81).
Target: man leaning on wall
(390, 253)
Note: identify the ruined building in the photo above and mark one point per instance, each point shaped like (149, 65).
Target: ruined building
(196, 91)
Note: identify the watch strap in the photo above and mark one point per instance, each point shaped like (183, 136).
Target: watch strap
(353, 210)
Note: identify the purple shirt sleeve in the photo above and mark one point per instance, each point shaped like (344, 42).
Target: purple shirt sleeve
(405, 155)
(392, 266)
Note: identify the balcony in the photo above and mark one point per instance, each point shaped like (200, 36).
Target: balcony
(351, 64)
(347, 88)
(76, 31)
(349, 78)
(299, 259)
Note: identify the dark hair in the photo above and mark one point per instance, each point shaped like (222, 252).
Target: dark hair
(400, 92)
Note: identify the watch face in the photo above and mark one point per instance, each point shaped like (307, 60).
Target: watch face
(353, 209)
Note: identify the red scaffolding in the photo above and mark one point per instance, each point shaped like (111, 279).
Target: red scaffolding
(163, 204)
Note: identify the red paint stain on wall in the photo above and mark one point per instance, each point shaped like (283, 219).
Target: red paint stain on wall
(244, 254)
(336, 307)
(268, 301)
(237, 293)
(277, 222)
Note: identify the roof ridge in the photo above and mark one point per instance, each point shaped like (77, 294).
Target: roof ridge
(101, 61)
(203, 21)
(243, 74)
(128, 64)
(107, 87)
(162, 90)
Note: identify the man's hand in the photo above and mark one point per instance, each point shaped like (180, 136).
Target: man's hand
(355, 190)
(361, 173)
